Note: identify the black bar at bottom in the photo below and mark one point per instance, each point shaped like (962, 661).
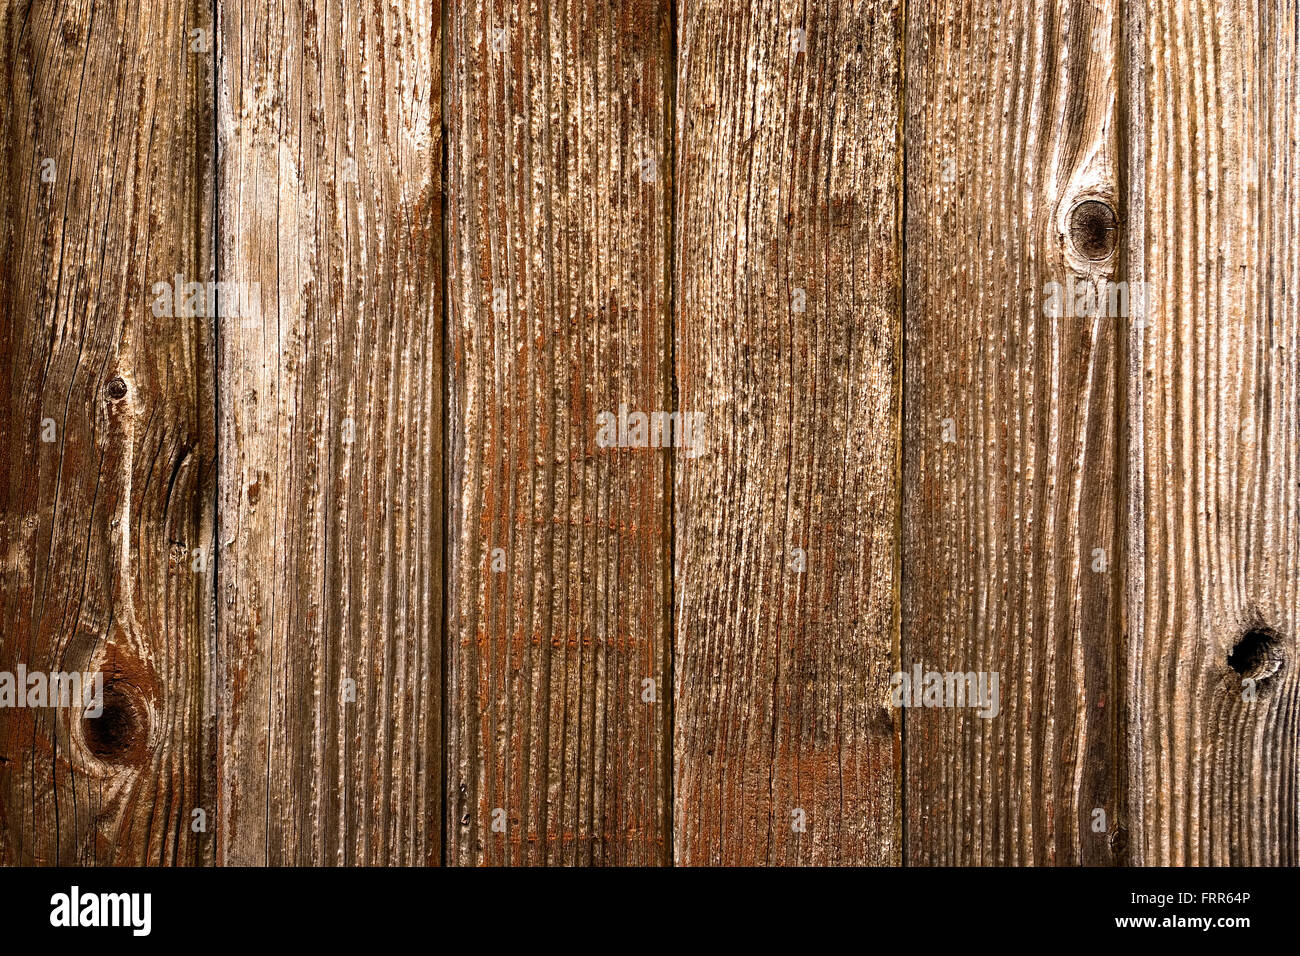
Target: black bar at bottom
(656, 909)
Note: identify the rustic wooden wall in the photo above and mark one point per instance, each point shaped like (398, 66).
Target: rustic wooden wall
(368, 585)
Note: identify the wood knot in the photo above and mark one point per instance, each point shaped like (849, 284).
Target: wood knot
(117, 389)
(119, 732)
(1094, 229)
(1119, 841)
(1258, 655)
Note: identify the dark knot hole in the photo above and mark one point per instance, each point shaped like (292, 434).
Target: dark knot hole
(117, 389)
(119, 730)
(1258, 655)
(1093, 229)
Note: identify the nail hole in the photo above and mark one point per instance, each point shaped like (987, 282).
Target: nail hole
(117, 388)
(1258, 655)
(119, 731)
(1093, 229)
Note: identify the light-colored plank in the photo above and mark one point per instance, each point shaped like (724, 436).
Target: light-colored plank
(788, 348)
(1215, 393)
(329, 581)
(1011, 123)
(106, 426)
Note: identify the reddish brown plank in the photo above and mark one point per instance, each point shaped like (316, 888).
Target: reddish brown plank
(557, 223)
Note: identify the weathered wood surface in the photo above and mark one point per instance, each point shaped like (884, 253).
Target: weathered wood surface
(329, 518)
(788, 346)
(1214, 437)
(106, 426)
(898, 455)
(557, 225)
(1012, 432)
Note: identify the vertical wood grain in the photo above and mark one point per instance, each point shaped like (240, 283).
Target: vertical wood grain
(1216, 430)
(329, 581)
(106, 426)
(557, 223)
(788, 317)
(1012, 121)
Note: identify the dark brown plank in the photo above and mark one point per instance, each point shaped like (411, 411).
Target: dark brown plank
(330, 434)
(1012, 432)
(557, 311)
(106, 421)
(788, 347)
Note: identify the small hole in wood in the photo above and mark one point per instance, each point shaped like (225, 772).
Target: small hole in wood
(1258, 655)
(117, 388)
(1119, 841)
(1093, 229)
(119, 730)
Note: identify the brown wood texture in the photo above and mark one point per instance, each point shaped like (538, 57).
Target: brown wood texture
(1214, 437)
(557, 218)
(1012, 432)
(788, 318)
(106, 421)
(367, 580)
(330, 529)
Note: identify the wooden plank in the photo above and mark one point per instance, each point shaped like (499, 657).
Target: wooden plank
(1012, 465)
(1215, 432)
(106, 421)
(329, 581)
(788, 348)
(557, 230)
